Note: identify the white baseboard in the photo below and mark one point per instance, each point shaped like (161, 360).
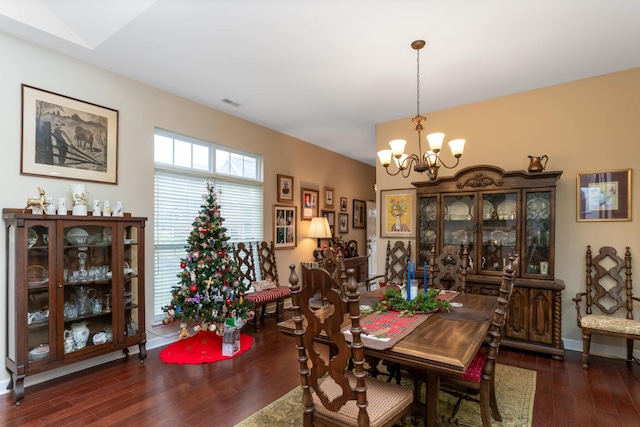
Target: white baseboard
(85, 364)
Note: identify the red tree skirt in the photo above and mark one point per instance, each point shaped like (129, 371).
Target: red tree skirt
(203, 347)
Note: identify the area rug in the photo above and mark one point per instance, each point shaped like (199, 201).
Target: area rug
(203, 347)
(515, 391)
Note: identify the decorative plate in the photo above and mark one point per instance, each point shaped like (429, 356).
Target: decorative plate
(458, 210)
(77, 232)
(430, 236)
(41, 350)
(487, 209)
(538, 209)
(430, 211)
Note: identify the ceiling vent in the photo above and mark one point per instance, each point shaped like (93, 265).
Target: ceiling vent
(230, 102)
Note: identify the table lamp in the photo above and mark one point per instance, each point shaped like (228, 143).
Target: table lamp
(319, 229)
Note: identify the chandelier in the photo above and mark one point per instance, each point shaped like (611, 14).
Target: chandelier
(427, 161)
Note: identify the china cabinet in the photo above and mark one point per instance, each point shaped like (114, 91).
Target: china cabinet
(75, 290)
(496, 213)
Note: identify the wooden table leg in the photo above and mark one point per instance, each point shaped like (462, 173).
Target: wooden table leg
(432, 397)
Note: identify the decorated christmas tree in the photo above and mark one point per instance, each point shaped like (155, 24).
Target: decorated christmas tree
(208, 291)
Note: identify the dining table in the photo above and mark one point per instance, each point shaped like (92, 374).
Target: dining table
(445, 343)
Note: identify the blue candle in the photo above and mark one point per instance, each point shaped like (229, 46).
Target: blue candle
(425, 277)
(409, 281)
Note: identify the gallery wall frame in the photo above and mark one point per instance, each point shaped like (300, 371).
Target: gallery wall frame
(331, 218)
(328, 197)
(309, 204)
(398, 213)
(284, 227)
(66, 138)
(285, 188)
(359, 213)
(343, 204)
(343, 226)
(603, 195)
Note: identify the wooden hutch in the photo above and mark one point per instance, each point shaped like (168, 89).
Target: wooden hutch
(495, 213)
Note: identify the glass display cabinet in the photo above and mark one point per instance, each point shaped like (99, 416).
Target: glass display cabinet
(495, 214)
(75, 290)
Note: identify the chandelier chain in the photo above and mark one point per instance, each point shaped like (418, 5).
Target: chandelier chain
(418, 84)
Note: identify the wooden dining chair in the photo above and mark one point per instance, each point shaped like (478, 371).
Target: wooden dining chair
(449, 269)
(479, 378)
(395, 266)
(333, 395)
(243, 256)
(607, 293)
(262, 295)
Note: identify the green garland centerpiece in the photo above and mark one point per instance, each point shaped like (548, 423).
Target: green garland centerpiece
(392, 300)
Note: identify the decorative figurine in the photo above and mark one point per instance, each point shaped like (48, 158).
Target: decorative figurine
(183, 331)
(39, 202)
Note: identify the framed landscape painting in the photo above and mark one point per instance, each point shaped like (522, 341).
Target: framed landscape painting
(67, 138)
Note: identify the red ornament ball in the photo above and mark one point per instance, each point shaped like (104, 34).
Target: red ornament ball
(183, 265)
(228, 301)
(193, 288)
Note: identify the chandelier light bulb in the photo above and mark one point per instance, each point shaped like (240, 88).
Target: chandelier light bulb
(397, 147)
(435, 141)
(457, 147)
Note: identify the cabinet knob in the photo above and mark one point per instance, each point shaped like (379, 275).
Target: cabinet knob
(60, 285)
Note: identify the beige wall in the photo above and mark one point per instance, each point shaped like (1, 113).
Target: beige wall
(583, 126)
(141, 109)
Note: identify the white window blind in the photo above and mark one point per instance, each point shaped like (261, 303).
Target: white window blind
(178, 199)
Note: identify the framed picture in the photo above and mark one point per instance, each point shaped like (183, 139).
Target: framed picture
(309, 204)
(331, 218)
(67, 138)
(359, 209)
(604, 195)
(343, 227)
(343, 204)
(328, 197)
(398, 213)
(284, 227)
(285, 188)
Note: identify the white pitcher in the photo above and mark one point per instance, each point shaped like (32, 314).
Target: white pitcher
(80, 333)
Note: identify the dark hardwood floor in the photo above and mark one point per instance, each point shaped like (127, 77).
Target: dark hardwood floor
(127, 393)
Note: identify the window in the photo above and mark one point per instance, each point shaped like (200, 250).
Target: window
(183, 165)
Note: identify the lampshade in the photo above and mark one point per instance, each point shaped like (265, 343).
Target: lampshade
(319, 228)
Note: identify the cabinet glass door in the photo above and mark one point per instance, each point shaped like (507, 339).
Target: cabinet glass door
(87, 274)
(499, 230)
(38, 301)
(459, 226)
(428, 227)
(131, 268)
(537, 233)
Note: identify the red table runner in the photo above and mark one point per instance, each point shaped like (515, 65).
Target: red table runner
(383, 330)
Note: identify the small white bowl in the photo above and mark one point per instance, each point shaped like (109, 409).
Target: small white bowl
(456, 304)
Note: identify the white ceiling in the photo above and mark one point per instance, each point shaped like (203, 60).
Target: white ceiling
(326, 71)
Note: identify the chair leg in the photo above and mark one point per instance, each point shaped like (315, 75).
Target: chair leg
(586, 344)
(258, 317)
(629, 352)
(493, 402)
(485, 409)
